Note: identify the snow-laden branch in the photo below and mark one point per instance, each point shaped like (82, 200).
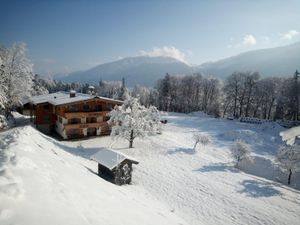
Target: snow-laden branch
(133, 120)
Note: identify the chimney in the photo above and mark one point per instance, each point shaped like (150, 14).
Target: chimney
(72, 93)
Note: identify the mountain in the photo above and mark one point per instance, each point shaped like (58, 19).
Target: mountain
(143, 70)
(279, 61)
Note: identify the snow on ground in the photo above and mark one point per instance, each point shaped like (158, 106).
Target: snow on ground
(56, 181)
(16, 120)
(41, 183)
(202, 187)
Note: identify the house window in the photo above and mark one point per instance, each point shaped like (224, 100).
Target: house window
(73, 108)
(74, 121)
(74, 131)
(98, 108)
(86, 108)
(46, 119)
(46, 107)
(91, 120)
(109, 107)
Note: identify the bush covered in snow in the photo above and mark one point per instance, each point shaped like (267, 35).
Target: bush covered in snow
(289, 159)
(240, 151)
(202, 139)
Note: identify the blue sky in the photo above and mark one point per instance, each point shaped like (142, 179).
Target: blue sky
(64, 36)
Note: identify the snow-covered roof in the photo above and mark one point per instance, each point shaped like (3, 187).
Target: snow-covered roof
(46, 98)
(110, 158)
(290, 135)
(62, 97)
(24, 100)
(110, 99)
(65, 99)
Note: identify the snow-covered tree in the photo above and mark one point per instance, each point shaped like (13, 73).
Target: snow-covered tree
(289, 159)
(38, 86)
(16, 75)
(3, 99)
(201, 138)
(240, 151)
(133, 120)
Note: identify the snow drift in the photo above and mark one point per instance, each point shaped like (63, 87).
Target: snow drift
(42, 183)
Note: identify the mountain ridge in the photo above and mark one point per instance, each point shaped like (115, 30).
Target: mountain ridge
(146, 70)
(152, 68)
(278, 61)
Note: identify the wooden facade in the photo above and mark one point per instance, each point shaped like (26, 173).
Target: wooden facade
(119, 175)
(114, 166)
(74, 119)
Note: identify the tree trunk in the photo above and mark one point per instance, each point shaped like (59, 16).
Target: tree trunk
(270, 108)
(195, 145)
(131, 139)
(290, 175)
(234, 107)
(248, 103)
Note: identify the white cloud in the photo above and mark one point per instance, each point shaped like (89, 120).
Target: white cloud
(166, 51)
(248, 40)
(289, 35)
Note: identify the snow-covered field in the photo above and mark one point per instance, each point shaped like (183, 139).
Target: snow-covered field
(43, 181)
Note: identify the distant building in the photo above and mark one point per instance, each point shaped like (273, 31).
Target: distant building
(114, 166)
(71, 114)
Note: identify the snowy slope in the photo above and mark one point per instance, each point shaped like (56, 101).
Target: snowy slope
(40, 183)
(44, 178)
(203, 187)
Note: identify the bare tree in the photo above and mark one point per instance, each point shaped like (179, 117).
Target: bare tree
(240, 151)
(202, 139)
(289, 159)
(232, 88)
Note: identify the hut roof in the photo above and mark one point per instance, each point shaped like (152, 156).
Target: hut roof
(110, 158)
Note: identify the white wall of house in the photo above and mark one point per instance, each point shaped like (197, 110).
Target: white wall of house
(83, 120)
(98, 131)
(60, 128)
(84, 131)
(99, 119)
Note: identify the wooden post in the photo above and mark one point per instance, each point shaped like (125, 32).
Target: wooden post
(99, 169)
(30, 112)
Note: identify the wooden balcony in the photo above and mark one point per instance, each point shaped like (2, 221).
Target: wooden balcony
(86, 125)
(70, 115)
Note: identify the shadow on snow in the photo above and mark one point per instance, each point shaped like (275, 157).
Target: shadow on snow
(218, 167)
(188, 151)
(258, 188)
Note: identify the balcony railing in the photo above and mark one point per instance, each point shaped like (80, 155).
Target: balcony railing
(87, 125)
(70, 115)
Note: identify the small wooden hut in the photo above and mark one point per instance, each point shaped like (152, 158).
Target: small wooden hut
(114, 166)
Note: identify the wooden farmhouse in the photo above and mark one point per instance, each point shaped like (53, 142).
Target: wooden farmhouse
(114, 166)
(71, 114)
